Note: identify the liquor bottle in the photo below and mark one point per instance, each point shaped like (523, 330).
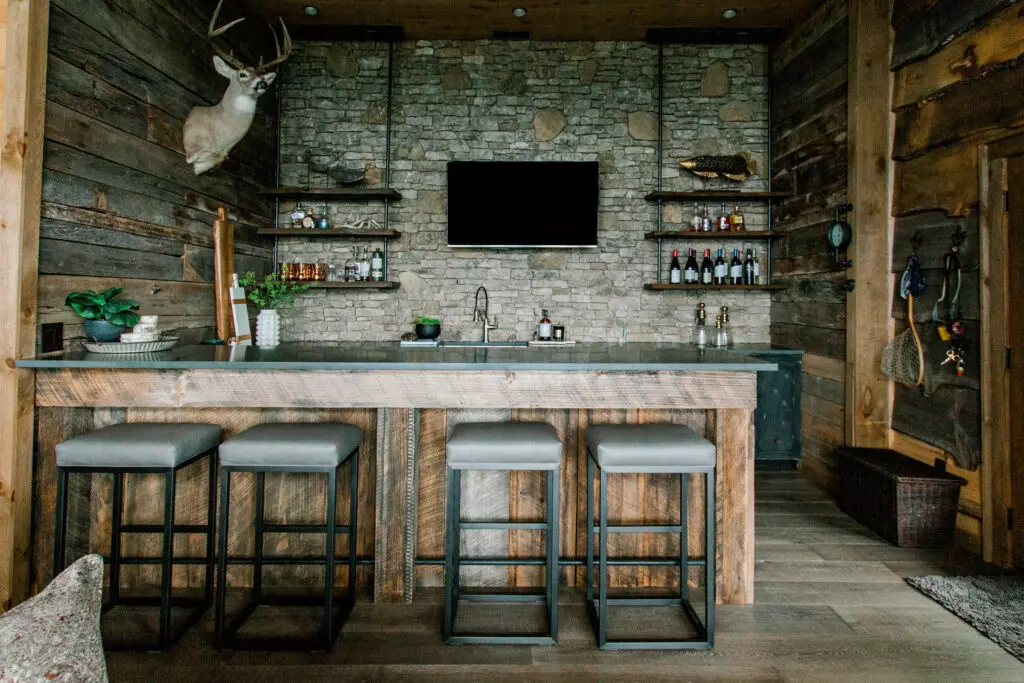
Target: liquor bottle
(675, 272)
(364, 264)
(721, 270)
(737, 220)
(707, 269)
(700, 330)
(723, 219)
(748, 269)
(544, 330)
(377, 265)
(324, 223)
(736, 269)
(757, 271)
(721, 337)
(308, 219)
(705, 220)
(297, 215)
(724, 336)
(691, 273)
(695, 220)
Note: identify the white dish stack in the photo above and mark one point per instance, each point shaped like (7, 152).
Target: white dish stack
(145, 331)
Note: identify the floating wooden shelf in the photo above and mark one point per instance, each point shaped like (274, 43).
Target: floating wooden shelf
(664, 286)
(335, 193)
(358, 284)
(713, 235)
(717, 195)
(330, 232)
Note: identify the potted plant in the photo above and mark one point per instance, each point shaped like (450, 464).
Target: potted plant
(427, 328)
(269, 294)
(106, 316)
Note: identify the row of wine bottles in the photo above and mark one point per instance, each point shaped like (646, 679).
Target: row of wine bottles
(716, 272)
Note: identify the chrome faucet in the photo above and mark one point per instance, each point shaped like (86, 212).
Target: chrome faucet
(481, 316)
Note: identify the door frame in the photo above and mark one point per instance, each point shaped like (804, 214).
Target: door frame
(996, 484)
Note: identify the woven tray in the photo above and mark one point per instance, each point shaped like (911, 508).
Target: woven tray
(163, 344)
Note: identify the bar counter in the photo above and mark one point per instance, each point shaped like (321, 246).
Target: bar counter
(406, 400)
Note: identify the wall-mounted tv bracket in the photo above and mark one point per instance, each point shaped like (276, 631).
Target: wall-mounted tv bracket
(840, 234)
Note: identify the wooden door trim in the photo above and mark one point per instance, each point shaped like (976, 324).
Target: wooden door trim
(995, 416)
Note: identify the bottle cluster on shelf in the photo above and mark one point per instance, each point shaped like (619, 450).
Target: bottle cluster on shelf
(361, 267)
(308, 219)
(702, 220)
(719, 271)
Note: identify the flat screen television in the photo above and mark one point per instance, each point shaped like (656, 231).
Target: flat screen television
(520, 204)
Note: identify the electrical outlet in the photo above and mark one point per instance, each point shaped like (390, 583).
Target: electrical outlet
(53, 337)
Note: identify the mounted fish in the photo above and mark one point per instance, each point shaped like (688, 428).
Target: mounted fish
(735, 167)
(338, 172)
(211, 132)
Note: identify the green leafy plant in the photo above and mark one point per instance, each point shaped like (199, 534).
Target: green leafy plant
(105, 305)
(423, 320)
(270, 292)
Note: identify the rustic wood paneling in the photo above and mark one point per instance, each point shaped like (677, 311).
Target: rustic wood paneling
(809, 134)
(119, 201)
(922, 27)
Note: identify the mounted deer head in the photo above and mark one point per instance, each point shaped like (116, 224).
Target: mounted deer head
(211, 132)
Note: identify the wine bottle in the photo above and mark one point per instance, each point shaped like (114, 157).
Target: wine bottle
(723, 219)
(737, 220)
(705, 220)
(721, 270)
(707, 269)
(748, 269)
(377, 265)
(691, 273)
(675, 272)
(757, 271)
(736, 269)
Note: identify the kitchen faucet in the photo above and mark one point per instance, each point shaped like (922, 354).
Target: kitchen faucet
(481, 316)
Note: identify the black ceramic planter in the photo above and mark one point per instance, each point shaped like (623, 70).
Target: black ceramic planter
(432, 331)
(103, 331)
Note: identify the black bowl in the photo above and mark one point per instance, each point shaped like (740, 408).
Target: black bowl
(429, 331)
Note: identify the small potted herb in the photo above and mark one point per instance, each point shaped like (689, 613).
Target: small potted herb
(427, 328)
(269, 294)
(106, 316)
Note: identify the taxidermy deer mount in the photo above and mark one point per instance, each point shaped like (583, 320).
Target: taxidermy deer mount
(211, 132)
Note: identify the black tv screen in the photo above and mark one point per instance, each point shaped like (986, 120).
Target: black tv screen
(522, 203)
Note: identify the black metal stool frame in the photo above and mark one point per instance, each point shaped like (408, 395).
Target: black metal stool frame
(334, 616)
(453, 561)
(166, 561)
(598, 609)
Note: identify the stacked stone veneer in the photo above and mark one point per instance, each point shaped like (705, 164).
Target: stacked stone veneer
(525, 101)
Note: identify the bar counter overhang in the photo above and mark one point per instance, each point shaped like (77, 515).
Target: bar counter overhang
(406, 400)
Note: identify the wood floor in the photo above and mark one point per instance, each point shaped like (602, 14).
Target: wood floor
(831, 606)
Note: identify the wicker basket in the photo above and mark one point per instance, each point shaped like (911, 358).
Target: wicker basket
(904, 501)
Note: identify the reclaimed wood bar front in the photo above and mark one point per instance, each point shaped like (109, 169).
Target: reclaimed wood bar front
(406, 401)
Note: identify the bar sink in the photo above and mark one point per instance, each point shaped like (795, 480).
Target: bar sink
(484, 345)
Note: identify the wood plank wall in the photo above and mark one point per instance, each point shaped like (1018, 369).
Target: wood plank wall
(959, 83)
(120, 205)
(809, 155)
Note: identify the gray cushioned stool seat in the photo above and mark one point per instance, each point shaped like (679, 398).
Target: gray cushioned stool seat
(504, 446)
(139, 444)
(652, 448)
(291, 445)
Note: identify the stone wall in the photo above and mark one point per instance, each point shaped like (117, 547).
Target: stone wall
(520, 101)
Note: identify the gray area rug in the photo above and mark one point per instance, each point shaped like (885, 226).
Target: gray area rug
(992, 604)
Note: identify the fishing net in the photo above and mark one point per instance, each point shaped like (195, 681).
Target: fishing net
(903, 358)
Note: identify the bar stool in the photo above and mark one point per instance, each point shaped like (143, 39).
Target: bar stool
(294, 447)
(650, 449)
(501, 446)
(141, 448)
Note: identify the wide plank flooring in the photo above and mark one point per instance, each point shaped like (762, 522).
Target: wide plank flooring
(831, 606)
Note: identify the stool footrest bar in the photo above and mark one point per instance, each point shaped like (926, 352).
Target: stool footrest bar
(640, 529)
(304, 529)
(498, 526)
(532, 598)
(159, 529)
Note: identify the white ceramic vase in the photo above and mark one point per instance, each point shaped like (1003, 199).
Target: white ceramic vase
(268, 328)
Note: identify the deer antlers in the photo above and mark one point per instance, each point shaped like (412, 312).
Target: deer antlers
(229, 56)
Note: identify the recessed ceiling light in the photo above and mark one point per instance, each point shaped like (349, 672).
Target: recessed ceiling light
(729, 14)
(519, 12)
(310, 10)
